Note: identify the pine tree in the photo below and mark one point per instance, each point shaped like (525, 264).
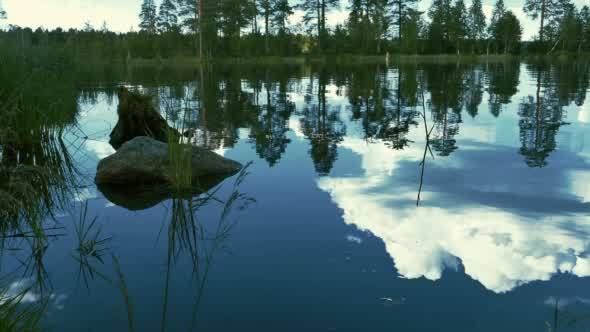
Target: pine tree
(148, 17)
(88, 27)
(104, 28)
(201, 17)
(458, 24)
(476, 22)
(402, 10)
(234, 15)
(315, 16)
(167, 16)
(188, 15)
(280, 12)
(266, 6)
(543, 9)
(382, 20)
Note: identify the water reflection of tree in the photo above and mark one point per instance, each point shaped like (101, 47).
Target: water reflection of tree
(269, 129)
(473, 91)
(502, 80)
(446, 86)
(367, 92)
(321, 124)
(397, 123)
(382, 103)
(541, 116)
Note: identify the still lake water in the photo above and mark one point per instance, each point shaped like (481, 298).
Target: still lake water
(325, 231)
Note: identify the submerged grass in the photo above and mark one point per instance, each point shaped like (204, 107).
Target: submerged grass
(17, 316)
(91, 245)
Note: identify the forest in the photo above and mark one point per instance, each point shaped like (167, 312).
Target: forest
(209, 29)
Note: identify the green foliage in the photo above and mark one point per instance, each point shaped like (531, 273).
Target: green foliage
(412, 29)
(16, 316)
(167, 17)
(402, 11)
(148, 17)
(507, 32)
(232, 28)
(280, 12)
(314, 17)
(458, 25)
(476, 24)
(369, 24)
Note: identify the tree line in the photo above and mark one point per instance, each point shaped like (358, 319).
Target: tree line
(238, 28)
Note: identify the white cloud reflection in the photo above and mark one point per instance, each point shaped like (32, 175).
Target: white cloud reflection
(22, 289)
(498, 247)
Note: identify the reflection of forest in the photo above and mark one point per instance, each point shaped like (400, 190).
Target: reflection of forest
(383, 100)
(214, 103)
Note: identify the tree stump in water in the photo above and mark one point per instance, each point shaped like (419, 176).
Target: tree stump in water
(139, 117)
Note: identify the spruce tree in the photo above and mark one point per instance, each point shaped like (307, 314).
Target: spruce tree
(148, 17)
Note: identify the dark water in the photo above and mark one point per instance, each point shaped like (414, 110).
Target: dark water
(404, 198)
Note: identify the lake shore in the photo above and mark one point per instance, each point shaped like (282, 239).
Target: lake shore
(185, 61)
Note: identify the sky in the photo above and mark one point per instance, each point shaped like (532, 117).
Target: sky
(122, 15)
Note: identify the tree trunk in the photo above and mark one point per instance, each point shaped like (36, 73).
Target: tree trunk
(399, 21)
(200, 18)
(266, 27)
(319, 14)
(323, 31)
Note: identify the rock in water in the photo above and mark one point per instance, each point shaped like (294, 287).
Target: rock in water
(144, 160)
(138, 117)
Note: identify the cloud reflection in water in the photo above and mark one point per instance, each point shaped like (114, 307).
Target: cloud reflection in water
(499, 245)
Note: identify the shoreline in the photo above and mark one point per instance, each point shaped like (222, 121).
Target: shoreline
(351, 59)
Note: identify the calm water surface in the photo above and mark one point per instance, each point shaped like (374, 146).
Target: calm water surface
(409, 198)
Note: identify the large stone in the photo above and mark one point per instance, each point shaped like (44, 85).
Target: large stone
(138, 117)
(144, 160)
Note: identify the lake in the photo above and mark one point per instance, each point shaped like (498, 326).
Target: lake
(409, 197)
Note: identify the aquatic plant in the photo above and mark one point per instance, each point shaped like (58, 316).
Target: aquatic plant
(91, 244)
(18, 316)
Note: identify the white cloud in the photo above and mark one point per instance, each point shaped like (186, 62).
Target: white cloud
(100, 149)
(22, 289)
